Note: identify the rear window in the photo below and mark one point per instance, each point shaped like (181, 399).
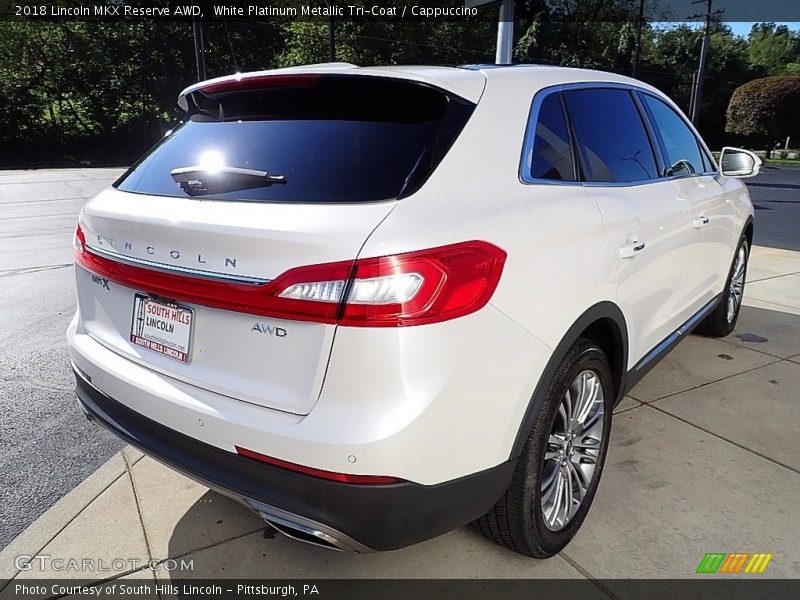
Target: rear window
(324, 139)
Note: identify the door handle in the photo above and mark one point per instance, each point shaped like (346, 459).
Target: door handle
(701, 221)
(630, 249)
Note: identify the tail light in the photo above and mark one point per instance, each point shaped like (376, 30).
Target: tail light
(78, 240)
(412, 288)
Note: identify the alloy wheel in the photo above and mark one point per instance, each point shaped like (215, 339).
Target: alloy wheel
(736, 288)
(573, 450)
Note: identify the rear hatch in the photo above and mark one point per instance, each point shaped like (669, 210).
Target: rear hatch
(178, 263)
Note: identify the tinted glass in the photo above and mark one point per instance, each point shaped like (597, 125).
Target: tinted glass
(611, 138)
(551, 157)
(683, 156)
(336, 140)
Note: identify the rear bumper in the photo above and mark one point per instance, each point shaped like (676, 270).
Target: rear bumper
(347, 516)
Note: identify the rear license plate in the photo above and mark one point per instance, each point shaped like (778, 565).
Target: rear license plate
(163, 327)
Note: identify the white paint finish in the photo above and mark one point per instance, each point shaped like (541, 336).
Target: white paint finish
(264, 239)
(651, 285)
(233, 238)
(716, 227)
(428, 403)
(226, 355)
(434, 402)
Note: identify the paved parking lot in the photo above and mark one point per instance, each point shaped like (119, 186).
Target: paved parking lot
(704, 455)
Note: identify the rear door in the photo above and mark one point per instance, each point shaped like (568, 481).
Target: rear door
(646, 225)
(181, 258)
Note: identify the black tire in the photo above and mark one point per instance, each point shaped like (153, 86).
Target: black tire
(718, 323)
(517, 521)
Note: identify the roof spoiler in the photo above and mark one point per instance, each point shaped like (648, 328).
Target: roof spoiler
(292, 76)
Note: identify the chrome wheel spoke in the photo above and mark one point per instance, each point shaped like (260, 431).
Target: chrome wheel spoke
(553, 499)
(593, 427)
(568, 498)
(566, 409)
(736, 286)
(551, 455)
(739, 271)
(588, 455)
(562, 413)
(581, 477)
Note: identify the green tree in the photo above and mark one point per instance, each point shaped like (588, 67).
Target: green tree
(772, 47)
(586, 33)
(766, 109)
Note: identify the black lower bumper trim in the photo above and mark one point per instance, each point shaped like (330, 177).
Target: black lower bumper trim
(380, 517)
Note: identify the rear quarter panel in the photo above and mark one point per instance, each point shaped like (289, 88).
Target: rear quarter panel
(558, 266)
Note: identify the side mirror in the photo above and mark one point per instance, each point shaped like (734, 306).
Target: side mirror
(736, 162)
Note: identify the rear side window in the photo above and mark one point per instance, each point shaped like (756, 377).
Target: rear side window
(611, 139)
(324, 139)
(551, 155)
(680, 147)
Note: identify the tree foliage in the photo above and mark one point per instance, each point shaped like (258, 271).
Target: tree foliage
(766, 109)
(773, 48)
(105, 90)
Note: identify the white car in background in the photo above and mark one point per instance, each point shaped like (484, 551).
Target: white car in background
(376, 304)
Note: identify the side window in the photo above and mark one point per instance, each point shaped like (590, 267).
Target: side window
(551, 156)
(708, 165)
(611, 137)
(682, 153)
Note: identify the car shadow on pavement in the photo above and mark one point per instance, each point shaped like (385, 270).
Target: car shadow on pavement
(263, 552)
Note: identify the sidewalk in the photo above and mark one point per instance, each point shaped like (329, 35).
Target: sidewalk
(704, 457)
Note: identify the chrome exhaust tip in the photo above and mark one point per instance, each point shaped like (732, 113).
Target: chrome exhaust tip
(305, 530)
(303, 534)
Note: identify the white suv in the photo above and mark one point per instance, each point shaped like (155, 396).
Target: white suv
(376, 304)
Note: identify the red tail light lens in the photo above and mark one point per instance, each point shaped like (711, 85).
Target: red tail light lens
(330, 475)
(453, 281)
(412, 288)
(79, 240)
(259, 82)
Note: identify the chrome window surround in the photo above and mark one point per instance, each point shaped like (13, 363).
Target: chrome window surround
(533, 116)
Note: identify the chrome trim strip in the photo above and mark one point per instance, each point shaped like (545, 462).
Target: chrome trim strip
(157, 266)
(676, 335)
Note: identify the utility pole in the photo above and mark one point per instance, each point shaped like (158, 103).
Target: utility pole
(199, 49)
(697, 92)
(505, 33)
(505, 28)
(637, 53)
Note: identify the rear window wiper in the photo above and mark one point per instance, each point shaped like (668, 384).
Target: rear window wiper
(203, 180)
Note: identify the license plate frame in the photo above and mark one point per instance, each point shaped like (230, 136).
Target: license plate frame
(145, 327)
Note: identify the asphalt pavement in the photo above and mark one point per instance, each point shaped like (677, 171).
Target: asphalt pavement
(46, 446)
(776, 197)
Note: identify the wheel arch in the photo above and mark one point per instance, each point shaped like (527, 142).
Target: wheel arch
(604, 324)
